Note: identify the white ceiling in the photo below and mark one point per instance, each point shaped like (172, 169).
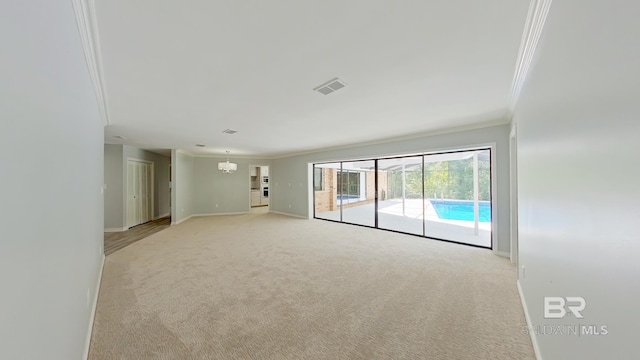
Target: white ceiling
(178, 73)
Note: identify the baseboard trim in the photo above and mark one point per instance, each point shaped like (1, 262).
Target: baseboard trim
(534, 339)
(93, 311)
(217, 214)
(115, 229)
(181, 221)
(162, 216)
(503, 254)
(288, 214)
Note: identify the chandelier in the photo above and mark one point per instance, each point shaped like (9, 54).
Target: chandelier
(227, 167)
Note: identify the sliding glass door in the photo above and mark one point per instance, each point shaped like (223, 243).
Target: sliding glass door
(326, 191)
(357, 195)
(400, 207)
(458, 197)
(444, 196)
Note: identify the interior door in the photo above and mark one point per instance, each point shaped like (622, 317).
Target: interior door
(144, 189)
(131, 194)
(139, 192)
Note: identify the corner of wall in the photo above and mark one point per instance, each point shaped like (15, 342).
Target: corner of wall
(93, 309)
(532, 334)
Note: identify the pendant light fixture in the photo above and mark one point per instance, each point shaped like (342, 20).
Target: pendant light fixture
(227, 167)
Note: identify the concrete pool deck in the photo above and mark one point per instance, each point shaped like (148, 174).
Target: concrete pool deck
(392, 217)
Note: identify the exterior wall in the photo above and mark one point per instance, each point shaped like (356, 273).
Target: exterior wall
(323, 201)
(383, 185)
(326, 199)
(370, 180)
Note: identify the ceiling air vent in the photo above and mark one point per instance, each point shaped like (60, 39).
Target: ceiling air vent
(229, 131)
(201, 145)
(330, 86)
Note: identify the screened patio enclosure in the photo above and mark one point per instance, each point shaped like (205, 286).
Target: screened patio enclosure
(444, 196)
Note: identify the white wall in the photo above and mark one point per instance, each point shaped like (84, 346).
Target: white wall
(578, 134)
(51, 218)
(201, 189)
(114, 181)
(183, 194)
(219, 193)
(290, 176)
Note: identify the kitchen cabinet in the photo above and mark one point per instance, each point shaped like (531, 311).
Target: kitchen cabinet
(253, 171)
(256, 198)
(264, 171)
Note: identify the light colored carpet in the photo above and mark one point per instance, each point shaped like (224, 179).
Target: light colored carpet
(266, 286)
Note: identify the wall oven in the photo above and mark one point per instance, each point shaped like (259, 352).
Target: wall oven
(265, 179)
(265, 191)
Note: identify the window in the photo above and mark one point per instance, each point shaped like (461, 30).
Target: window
(318, 184)
(349, 184)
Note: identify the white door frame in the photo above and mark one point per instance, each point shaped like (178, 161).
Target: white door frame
(258, 179)
(126, 203)
(513, 185)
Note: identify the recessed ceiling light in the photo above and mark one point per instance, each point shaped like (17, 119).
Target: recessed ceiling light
(120, 137)
(201, 145)
(330, 86)
(229, 131)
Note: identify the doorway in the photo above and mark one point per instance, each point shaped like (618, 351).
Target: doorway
(259, 188)
(139, 192)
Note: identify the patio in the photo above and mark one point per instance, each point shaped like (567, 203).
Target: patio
(392, 215)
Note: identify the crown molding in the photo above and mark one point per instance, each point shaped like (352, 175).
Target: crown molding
(88, 28)
(499, 121)
(239, 157)
(185, 152)
(536, 17)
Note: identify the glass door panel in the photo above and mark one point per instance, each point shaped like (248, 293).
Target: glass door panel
(457, 189)
(326, 191)
(357, 179)
(400, 205)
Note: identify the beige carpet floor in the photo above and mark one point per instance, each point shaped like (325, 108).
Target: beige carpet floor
(266, 286)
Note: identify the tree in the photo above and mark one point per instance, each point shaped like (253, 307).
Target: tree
(443, 179)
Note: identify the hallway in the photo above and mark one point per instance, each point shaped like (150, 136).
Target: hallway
(114, 241)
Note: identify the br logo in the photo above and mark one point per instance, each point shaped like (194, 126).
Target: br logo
(555, 307)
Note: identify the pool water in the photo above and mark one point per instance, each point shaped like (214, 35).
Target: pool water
(461, 210)
(347, 197)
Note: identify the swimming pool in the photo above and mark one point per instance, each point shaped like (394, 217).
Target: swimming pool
(347, 197)
(461, 210)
